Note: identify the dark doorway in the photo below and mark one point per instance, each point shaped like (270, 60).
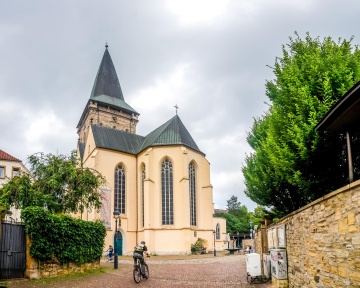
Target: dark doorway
(12, 250)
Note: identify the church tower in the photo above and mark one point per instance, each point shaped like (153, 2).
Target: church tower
(106, 106)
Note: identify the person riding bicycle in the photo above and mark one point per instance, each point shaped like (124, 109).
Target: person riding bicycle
(110, 253)
(139, 250)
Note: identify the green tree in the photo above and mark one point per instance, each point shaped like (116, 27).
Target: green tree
(233, 206)
(56, 182)
(287, 169)
(237, 218)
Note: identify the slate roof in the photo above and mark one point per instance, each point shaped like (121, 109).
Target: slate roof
(7, 157)
(118, 140)
(344, 115)
(81, 147)
(107, 87)
(107, 82)
(173, 132)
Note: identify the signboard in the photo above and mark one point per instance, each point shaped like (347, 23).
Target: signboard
(272, 238)
(105, 211)
(281, 235)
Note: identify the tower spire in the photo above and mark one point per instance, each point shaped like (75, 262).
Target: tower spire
(107, 82)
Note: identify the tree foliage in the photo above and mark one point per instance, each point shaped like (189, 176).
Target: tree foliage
(237, 218)
(56, 182)
(292, 164)
(233, 205)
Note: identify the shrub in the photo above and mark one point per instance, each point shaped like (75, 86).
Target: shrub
(62, 237)
(197, 245)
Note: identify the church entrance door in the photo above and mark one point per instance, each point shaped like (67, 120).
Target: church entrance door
(118, 243)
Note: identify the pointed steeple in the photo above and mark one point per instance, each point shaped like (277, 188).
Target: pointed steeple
(107, 82)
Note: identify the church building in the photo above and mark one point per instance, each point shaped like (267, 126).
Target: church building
(160, 183)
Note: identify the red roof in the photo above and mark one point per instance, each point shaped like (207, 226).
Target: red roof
(6, 156)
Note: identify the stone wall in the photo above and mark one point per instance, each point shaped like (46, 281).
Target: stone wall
(37, 270)
(323, 241)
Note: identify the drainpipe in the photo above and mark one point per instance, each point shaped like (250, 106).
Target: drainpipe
(137, 204)
(350, 162)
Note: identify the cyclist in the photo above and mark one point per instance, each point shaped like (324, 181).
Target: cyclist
(139, 254)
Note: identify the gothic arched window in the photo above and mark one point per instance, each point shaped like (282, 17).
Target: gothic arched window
(143, 175)
(218, 231)
(192, 189)
(119, 189)
(167, 200)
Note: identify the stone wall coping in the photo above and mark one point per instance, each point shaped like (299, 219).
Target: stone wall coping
(343, 189)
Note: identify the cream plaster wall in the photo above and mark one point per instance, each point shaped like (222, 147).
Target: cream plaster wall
(160, 239)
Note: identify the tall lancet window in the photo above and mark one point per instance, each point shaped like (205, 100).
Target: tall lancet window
(119, 191)
(218, 231)
(167, 193)
(192, 189)
(143, 175)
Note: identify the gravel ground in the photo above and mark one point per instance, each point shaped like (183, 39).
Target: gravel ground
(165, 271)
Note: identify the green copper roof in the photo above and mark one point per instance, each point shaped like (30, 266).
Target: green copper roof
(114, 102)
(173, 132)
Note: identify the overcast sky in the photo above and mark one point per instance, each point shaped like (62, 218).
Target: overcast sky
(208, 57)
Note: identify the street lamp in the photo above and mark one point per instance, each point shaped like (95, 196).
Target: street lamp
(214, 243)
(238, 240)
(251, 230)
(116, 214)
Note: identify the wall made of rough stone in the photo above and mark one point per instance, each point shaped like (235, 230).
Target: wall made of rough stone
(36, 269)
(323, 241)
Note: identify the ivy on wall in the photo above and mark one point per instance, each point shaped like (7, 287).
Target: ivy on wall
(62, 237)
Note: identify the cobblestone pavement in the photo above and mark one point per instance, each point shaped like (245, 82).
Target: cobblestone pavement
(165, 271)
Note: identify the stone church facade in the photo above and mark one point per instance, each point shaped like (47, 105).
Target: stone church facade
(160, 183)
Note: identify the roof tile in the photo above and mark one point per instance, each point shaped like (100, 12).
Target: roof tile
(8, 157)
(173, 132)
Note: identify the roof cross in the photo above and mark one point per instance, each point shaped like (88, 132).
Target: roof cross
(176, 107)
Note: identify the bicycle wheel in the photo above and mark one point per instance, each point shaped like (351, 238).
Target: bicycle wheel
(146, 276)
(137, 274)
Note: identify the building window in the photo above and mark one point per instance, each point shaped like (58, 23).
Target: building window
(167, 193)
(143, 175)
(15, 172)
(217, 231)
(192, 189)
(2, 172)
(119, 191)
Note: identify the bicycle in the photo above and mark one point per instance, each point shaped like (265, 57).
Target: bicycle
(137, 271)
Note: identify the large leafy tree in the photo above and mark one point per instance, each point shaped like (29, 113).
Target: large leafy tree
(292, 164)
(55, 182)
(237, 218)
(233, 206)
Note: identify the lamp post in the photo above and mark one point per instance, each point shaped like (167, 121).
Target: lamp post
(251, 230)
(214, 243)
(238, 240)
(116, 214)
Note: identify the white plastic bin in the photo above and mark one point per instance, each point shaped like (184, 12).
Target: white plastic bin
(253, 264)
